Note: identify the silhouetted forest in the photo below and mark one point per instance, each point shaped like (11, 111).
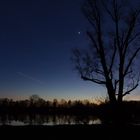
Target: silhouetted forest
(35, 104)
(127, 112)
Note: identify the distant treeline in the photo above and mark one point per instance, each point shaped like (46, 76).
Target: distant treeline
(127, 111)
(35, 104)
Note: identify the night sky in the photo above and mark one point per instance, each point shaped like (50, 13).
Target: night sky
(36, 39)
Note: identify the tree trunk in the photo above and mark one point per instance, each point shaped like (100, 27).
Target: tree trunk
(121, 83)
(111, 93)
(120, 98)
(112, 97)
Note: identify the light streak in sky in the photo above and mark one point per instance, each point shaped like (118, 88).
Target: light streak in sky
(30, 77)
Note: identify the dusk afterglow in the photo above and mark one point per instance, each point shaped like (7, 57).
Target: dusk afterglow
(36, 39)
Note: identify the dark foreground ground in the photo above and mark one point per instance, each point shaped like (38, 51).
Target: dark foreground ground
(72, 132)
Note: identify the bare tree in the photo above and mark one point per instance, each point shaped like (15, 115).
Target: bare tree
(34, 98)
(111, 59)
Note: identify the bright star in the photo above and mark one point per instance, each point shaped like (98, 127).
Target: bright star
(79, 33)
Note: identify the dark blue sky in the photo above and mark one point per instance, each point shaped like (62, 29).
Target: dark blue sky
(36, 38)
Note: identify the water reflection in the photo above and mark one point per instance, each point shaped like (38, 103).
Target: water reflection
(38, 119)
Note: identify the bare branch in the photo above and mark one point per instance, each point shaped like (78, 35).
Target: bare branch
(93, 40)
(129, 72)
(129, 33)
(130, 61)
(128, 92)
(89, 18)
(93, 80)
(113, 57)
(134, 37)
(108, 10)
(99, 71)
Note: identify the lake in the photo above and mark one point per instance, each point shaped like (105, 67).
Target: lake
(37, 119)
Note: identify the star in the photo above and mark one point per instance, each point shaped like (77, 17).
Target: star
(79, 32)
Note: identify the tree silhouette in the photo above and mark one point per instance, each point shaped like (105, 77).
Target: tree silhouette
(37, 101)
(115, 44)
(34, 98)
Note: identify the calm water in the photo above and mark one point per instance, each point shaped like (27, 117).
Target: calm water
(47, 120)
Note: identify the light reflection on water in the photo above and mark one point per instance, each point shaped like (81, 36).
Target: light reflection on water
(47, 120)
